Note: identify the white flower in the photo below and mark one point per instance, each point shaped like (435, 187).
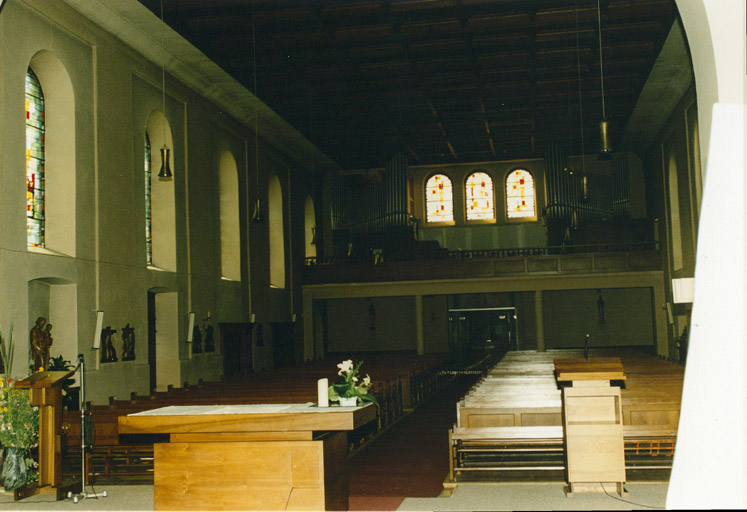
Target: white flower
(366, 380)
(355, 379)
(345, 367)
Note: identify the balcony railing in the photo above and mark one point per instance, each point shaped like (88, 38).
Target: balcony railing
(445, 264)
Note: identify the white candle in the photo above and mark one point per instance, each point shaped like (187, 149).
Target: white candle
(322, 386)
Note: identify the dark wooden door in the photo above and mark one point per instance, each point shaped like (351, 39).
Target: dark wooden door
(236, 347)
(152, 340)
(282, 344)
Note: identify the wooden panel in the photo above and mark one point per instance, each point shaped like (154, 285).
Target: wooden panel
(542, 264)
(541, 419)
(575, 263)
(490, 420)
(239, 476)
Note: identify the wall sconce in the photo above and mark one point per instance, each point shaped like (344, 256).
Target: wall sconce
(191, 328)
(96, 345)
(257, 216)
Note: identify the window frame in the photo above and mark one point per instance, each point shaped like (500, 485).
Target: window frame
(38, 192)
(467, 220)
(425, 201)
(527, 219)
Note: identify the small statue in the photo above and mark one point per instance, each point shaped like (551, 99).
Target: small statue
(209, 342)
(600, 307)
(128, 343)
(108, 354)
(47, 345)
(197, 340)
(38, 344)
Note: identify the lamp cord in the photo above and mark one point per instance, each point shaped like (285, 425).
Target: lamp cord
(580, 102)
(601, 65)
(256, 99)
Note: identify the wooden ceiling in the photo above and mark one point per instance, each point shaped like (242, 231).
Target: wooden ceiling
(441, 81)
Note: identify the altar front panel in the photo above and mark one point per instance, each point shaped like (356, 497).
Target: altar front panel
(267, 475)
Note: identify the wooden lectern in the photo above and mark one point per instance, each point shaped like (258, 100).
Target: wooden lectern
(45, 392)
(592, 424)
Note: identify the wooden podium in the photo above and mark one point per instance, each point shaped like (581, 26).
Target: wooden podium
(250, 457)
(45, 392)
(592, 424)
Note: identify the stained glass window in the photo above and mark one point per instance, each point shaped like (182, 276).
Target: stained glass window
(520, 195)
(148, 217)
(439, 199)
(479, 196)
(34, 161)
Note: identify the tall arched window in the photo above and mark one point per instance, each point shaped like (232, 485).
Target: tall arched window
(148, 216)
(35, 128)
(230, 238)
(478, 190)
(520, 195)
(51, 162)
(160, 239)
(277, 233)
(309, 228)
(439, 199)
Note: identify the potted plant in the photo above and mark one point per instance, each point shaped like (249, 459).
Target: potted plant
(70, 395)
(349, 388)
(19, 425)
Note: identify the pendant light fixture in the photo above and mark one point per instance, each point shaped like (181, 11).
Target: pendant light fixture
(605, 148)
(164, 174)
(257, 216)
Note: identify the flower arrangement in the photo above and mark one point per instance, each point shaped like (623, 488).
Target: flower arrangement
(350, 385)
(19, 425)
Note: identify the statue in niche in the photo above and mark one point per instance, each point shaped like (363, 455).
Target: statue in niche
(128, 343)
(41, 341)
(209, 342)
(600, 307)
(108, 354)
(197, 340)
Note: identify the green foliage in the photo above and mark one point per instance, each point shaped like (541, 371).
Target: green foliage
(351, 384)
(19, 420)
(60, 364)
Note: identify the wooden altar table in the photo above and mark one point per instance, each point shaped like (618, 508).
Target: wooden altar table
(250, 457)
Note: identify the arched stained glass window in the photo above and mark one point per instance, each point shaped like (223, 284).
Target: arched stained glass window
(478, 191)
(439, 199)
(34, 161)
(520, 195)
(148, 215)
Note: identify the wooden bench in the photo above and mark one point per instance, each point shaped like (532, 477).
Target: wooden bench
(511, 420)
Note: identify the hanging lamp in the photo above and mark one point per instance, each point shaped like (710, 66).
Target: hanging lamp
(257, 216)
(164, 174)
(605, 147)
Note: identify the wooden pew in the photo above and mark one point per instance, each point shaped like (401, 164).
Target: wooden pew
(517, 410)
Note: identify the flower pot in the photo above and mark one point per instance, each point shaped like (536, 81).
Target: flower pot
(349, 402)
(15, 471)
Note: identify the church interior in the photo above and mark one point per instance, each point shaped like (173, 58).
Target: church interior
(226, 198)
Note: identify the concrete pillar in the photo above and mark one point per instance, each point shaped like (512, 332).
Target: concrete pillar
(419, 324)
(540, 321)
(308, 327)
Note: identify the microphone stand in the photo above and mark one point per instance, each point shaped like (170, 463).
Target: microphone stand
(83, 494)
(586, 348)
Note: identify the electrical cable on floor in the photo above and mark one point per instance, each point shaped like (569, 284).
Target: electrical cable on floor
(627, 501)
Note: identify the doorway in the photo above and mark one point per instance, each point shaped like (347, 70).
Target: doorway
(477, 334)
(236, 347)
(163, 340)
